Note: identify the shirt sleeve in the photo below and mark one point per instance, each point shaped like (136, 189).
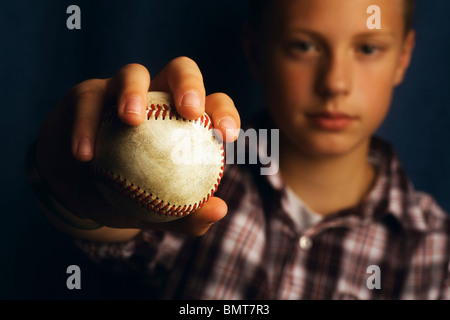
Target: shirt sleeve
(446, 285)
(149, 253)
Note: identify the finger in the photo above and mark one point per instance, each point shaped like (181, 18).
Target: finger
(224, 115)
(132, 82)
(183, 79)
(199, 222)
(87, 108)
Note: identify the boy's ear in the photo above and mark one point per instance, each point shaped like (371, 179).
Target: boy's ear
(405, 57)
(251, 44)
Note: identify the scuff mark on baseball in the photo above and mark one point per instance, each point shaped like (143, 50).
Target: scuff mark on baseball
(162, 170)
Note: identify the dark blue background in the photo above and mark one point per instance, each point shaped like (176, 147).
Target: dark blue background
(40, 59)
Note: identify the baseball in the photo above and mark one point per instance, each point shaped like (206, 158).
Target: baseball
(159, 171)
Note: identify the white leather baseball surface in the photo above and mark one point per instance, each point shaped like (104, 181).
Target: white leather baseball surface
(161, 170)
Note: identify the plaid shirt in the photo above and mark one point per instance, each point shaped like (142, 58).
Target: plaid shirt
(394, 245)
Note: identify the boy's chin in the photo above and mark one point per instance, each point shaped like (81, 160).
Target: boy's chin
(331, 146)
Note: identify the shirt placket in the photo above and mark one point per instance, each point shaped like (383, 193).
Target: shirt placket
(295, 272)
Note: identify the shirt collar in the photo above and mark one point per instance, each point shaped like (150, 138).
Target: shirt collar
(393, 194)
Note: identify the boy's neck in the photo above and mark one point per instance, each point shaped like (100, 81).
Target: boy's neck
(329, 184)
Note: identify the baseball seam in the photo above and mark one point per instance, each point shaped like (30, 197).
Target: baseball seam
(147, 199)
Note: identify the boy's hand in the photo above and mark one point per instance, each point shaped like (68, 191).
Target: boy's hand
(66, 140)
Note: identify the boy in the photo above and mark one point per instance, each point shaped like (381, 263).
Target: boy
(339, 221)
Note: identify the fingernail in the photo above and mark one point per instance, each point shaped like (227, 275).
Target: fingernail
(190, 99)
(84, 147)
(133, 105)
(230, 127)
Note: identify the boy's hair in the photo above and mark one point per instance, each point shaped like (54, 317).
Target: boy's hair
(257, 8)
(409, 14)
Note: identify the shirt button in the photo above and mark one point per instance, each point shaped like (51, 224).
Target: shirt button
(305, 242)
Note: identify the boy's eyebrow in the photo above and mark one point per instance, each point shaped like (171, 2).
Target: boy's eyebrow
(376, 33)
(368, 34)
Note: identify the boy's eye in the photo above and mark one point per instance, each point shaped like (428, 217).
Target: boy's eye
(303, 46)
(368, 49)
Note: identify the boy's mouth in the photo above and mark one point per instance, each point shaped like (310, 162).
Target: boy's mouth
(332, 121)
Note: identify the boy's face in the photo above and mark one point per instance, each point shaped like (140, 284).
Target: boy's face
(328, 78)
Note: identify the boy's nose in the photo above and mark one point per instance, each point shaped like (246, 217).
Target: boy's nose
(335, 76)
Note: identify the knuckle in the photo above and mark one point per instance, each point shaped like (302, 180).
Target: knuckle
(132, 67)
(88, 94)
(222, 102)
(82, 125)
(185, 69)
(183, 60)
(89, 88)
(220, 96)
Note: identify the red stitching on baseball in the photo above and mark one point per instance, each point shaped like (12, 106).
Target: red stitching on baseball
(158, 110)
(145, 199)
